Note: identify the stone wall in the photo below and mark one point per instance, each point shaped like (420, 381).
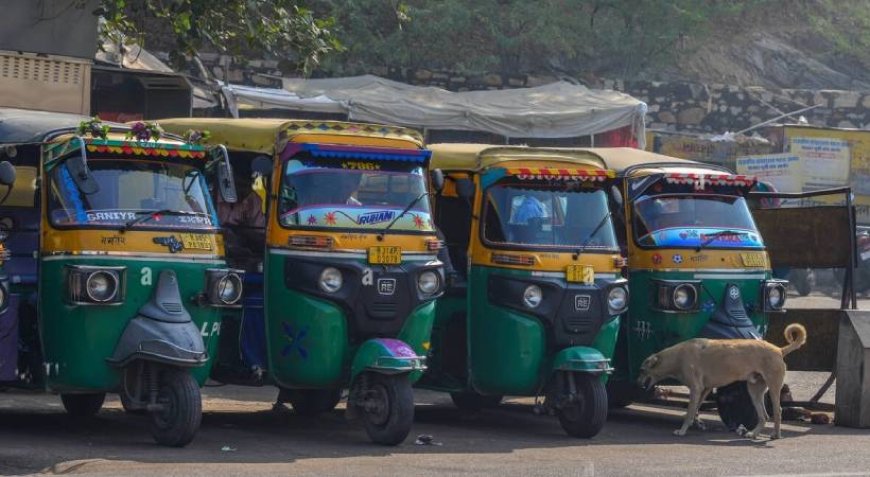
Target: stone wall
(673, 106)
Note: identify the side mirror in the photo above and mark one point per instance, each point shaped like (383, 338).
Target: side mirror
(465, 188)
(437, 180)
(262, 165)
(616, 195)
(7, 173)
(226, 181)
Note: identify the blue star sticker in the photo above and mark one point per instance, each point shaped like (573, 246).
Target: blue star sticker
(294, 341)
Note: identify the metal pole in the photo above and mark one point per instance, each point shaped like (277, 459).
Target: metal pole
(765, 123)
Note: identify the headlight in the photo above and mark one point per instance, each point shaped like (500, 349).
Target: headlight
(532, 296)
(617, 299)
(89, 285)
(428, 282)
(330, 280)
(685, 296)
(774, 295)
(229, 289)
(101, 286)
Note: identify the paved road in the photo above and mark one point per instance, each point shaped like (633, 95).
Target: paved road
(35, 436)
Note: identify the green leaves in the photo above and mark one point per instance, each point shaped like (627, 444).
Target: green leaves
(242, 28)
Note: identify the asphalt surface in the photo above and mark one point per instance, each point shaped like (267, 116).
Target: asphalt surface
(242, 435)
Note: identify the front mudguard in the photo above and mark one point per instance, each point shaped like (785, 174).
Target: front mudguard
(386, 356)
(582, 359)
(176, 344)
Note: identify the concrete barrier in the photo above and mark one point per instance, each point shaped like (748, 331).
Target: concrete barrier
(852, 403)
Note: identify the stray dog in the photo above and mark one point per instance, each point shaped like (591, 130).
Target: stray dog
(703, 364)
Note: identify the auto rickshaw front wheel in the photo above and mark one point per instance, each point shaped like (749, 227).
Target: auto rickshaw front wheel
(83, 405)
(585, 412)
(311, 402)
(387, 405)
(176, 422)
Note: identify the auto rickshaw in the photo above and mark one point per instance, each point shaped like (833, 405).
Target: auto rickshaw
(535, 303)
(697, 266)
(117, 272)
(349, 266)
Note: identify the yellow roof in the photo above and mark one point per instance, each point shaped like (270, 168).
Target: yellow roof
(267, 136)
(474, 157)
(622, 158)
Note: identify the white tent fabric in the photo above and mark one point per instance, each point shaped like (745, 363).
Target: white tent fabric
(556, 110)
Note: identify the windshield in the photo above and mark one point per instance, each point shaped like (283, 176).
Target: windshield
(130, 190)
(692, 220)
(550, 216)
(344, 194)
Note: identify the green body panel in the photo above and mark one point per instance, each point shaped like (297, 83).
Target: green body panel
(77, 339)
(647, 331)
(507, 349)
(308, 339)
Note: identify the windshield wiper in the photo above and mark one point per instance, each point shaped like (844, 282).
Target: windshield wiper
(151, 214)
(405, 211)
(592, 234)
(711, 237)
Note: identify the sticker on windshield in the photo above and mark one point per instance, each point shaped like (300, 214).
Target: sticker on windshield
(378, 217)
(361, 165)
(110, 216)
(713, 238)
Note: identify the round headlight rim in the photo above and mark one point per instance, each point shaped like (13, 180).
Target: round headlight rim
(693, 293)
(436, 280)
(322, 280)
(531, 303)
(780, 288)
(112, 280)
(624, 291)
(237, 284)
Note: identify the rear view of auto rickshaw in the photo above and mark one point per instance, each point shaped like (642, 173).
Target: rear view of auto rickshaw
(697, 266)
(349, 268)
(534, 303)
(116, 270)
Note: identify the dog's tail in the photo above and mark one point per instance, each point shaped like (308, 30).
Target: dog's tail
(795, 336)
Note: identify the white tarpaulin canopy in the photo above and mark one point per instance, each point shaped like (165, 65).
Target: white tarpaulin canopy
(556, 110)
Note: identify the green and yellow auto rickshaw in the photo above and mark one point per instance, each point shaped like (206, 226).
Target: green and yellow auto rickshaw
(535, 301)
(117, 273)
(347, 252)
(697, 265)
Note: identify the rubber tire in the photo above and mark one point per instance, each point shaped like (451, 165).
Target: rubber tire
(471, 401)
(586, 418)
(311, 402)
(735, 407)
(177, 425)
(83, 405)
(400, 414)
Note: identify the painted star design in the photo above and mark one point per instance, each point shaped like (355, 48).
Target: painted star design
(418, 222)
(312, 220)
(329, 218)
(294, 341)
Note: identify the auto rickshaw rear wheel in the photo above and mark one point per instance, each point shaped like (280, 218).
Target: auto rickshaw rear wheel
(585, 415)
(387, 405)
(471, 401)
(83, 405)
(311, 402)
(176, 423)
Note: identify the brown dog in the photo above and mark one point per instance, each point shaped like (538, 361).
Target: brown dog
(703, 364)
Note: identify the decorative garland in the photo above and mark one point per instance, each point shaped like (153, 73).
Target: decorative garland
(93, 127)
(143, 131)
(193, 136)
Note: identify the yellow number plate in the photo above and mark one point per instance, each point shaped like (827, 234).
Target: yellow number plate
(385, 255)
(752, 259)
(580, 274)
(196, 241)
